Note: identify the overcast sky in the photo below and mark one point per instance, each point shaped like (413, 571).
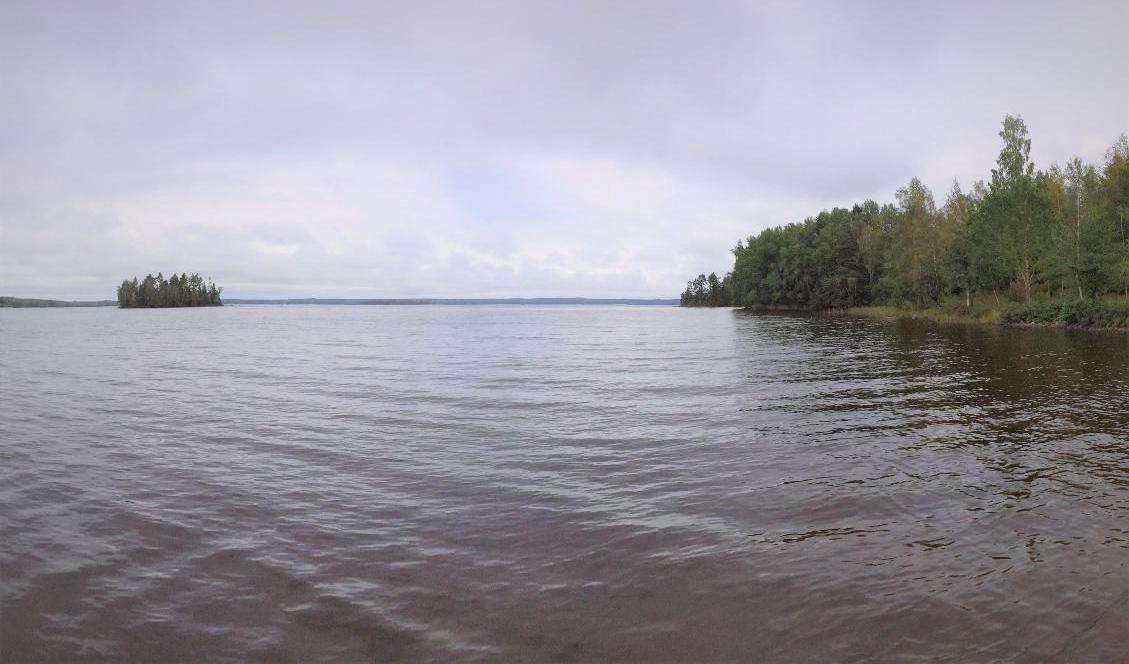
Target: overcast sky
(463, 148)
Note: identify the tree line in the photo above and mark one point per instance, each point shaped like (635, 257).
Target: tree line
(1023, 235)
(704, 291)
(183, 291)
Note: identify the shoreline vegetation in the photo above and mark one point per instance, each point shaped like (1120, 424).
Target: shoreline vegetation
(1112, 314)
(1027, 247)
(159, 292)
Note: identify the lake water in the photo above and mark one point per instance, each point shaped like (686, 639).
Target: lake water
(560, 483)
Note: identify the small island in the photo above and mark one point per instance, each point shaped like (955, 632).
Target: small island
(183, 291)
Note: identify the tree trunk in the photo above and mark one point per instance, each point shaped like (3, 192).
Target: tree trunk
(1078, 243)
(1026, 278)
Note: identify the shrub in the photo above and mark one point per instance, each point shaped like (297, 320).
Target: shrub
(1083, 313)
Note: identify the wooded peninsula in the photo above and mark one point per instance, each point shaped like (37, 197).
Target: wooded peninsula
(183, 291)
(1029, 246)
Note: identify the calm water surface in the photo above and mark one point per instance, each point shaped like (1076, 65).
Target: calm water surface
(311, 483)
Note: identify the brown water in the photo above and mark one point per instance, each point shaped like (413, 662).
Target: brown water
(315, 483)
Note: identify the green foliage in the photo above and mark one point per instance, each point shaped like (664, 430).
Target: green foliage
(1025, 236)
(1074, 311)
(176, 291)
(706, 291)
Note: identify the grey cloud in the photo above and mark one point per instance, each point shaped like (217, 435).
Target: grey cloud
(769, 110)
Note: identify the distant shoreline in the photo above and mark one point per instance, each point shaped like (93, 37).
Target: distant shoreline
(8, 302)
(455, 301)
(18, 302)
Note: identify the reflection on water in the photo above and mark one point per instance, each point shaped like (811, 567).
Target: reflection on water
(556, 483)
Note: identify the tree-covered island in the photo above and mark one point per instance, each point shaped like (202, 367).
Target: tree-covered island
(1029, 246)
(183, 291)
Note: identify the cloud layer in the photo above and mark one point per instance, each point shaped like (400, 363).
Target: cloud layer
(503, 148)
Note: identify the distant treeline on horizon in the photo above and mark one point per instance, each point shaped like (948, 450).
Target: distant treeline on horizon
(7, 301)
(23, 302)
(183, 291)
(457, 301)
(1023, 235)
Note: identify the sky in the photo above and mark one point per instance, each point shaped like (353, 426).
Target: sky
(504, 149)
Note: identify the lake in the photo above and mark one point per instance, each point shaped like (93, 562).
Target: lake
(557, 483)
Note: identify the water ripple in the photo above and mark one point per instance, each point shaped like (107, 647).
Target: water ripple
(554, 483)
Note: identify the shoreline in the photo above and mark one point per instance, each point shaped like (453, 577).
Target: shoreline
(984, 317)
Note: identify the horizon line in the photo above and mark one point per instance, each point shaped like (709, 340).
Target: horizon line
(384, 300)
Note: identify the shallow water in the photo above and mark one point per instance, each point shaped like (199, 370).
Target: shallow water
(354, 483)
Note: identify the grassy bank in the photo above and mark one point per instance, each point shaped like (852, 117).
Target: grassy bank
(1108, 313)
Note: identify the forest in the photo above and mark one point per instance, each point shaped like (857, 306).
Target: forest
(1027, 243)
(183, 291)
